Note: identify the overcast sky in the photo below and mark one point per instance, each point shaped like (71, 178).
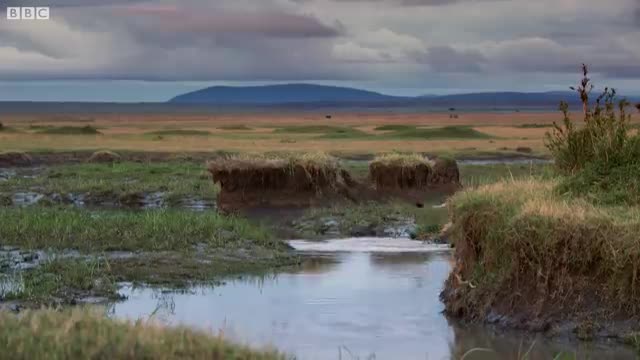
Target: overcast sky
(119, 50)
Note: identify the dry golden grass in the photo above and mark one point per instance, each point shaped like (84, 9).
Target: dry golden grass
(35, 142)
(129, 132)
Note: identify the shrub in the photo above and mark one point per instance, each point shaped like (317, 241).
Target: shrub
(603, 137)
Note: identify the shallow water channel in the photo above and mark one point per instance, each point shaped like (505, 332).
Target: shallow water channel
(348, 303)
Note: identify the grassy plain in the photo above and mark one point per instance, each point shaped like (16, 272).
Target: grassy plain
(355, 133)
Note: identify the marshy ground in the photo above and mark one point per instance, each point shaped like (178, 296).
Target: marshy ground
(77, 228)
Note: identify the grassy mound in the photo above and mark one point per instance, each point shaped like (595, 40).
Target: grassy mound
(412, 171)
(70, 130)
(256, 180)
(307, 172)
(400, 171)
(14, 158)
(179, 132)
(104, 156)
(86, 334)
(523, 250)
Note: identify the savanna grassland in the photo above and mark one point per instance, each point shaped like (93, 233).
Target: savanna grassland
(352, 134)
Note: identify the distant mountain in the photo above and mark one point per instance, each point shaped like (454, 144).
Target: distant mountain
(309, 96)
(280, 94)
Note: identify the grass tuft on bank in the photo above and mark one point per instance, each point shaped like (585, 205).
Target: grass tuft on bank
(525, 249)
(89, 334)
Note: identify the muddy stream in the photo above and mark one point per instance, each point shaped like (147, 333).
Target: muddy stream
(357, 299)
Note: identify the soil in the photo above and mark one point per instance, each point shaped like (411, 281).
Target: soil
(15, 158)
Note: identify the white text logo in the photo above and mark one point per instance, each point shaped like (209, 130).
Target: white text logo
(28, 13)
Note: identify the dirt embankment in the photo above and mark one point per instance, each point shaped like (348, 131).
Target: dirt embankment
(531, 260)
(302, 182)
(247, 182)
(14, 158)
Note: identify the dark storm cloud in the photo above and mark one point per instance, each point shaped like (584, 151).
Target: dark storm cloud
(318, 39)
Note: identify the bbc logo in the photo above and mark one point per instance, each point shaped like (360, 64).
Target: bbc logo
(28, 13)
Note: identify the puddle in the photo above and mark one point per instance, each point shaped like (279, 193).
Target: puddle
(352, 306)
(6, 174)
(197, 204)
(378, 245)
(26, 198)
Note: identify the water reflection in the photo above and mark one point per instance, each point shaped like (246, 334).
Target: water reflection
(345, 305)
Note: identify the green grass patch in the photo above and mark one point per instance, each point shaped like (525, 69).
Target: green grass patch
(39, 228)
(535, 126)
(395, 128)
(70, 130)
(89, 334)
(447, 132)
(179, 132)
(60, 279)
(476, 175)
(235, 127)
(326, 131)
(176, 179)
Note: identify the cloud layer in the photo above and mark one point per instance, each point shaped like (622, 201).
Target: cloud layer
(377, 43)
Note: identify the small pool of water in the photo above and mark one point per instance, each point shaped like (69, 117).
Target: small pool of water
(346, 305)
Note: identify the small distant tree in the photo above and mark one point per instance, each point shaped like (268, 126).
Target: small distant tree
(603, 135)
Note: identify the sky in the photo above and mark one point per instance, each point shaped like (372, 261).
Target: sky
(136, 50)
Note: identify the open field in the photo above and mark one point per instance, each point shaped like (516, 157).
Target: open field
(470, 134)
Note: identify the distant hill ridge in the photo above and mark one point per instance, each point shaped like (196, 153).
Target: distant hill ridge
(311, 94)
(279, 94)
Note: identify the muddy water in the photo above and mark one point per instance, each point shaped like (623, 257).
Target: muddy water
(351, 305)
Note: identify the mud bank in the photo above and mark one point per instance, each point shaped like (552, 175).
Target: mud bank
(319, 180)
(249, 182)
(107, 200)
(530, 260)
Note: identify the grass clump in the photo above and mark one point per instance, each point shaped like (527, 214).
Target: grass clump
(70, 130)
(89, 334)
(302, 172)
(412, 171)
(179, 132)
(601, 159)
(400, 171)
(60, 229)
